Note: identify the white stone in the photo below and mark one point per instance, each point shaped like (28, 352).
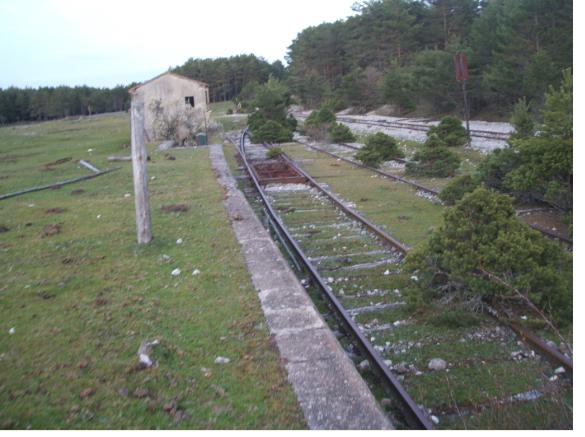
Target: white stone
(364, 365)
(222, 360)
(437, 364)
(12, 330)
(196, 272)
(435, 420)
(176, 272)
(559, 370)
(180, 241)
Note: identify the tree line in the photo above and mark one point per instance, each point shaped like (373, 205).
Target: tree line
(49, 103)
(400, 52)
(226, 78)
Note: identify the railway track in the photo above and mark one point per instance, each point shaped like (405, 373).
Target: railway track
(349, 158)
(422, 127)
(357, 268)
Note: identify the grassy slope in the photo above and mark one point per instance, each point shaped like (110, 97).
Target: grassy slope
(90, 296)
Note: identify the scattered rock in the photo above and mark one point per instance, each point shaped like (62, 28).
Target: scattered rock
(180, 241)
(144, 352)
(385, 402)
(176, 272)
(237, 217)
(12, 330)
(101, 301)
(196, 272)
(141, 393)
(77, 192)
(222, 360)
(124, 392)
(83, 364)
(50, 230)
(170, 406)
(87, 393)
(437, 364)
(44, 295)
(4, 229)
(401, 369)
(364, 366)
(175, 208)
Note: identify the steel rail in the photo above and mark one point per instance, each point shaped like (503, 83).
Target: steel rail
(552, 354)
(525, 334)
(544, 232)
(413, 414)
(403, 248)
(375, 170)
(422, 127)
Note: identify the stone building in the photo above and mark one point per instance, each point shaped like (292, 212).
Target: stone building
(175, 107)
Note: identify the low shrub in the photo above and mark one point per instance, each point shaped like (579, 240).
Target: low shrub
(340, 133)
(272, 132)
(320, 117)
(484, 253)
(434, 160)
(451, 131)
(457, 188)
(274, 152)
(379, 148)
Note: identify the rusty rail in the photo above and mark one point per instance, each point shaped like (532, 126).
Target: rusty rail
(544, 232)
(414, 415)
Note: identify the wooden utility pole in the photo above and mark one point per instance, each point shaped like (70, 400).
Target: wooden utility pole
(141, 199)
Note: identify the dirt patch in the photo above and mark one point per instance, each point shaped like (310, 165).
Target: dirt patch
(8, 158)
(549, 221)
(181, 207)
(55, 211)
(4, 229)
(50, 166)
(51, 230)
(77, 192)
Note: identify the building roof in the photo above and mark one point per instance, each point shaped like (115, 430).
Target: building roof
(178, 76)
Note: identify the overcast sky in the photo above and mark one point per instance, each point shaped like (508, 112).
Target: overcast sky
(105, 42)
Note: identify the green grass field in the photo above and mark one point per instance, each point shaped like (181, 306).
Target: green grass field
(82, 296)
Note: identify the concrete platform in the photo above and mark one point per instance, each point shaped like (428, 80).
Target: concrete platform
(330, 391)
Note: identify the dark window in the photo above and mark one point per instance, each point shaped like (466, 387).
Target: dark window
(190, 100)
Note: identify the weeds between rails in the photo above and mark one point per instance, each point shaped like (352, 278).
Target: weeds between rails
(349, 158)
(491, 381)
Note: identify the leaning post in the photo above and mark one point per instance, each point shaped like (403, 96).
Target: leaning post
(141, 200)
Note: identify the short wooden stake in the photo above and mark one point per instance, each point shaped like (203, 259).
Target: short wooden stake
(141, 199)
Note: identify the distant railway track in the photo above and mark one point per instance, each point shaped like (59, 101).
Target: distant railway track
(567, 242)
(355, 265)
(500, 136)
